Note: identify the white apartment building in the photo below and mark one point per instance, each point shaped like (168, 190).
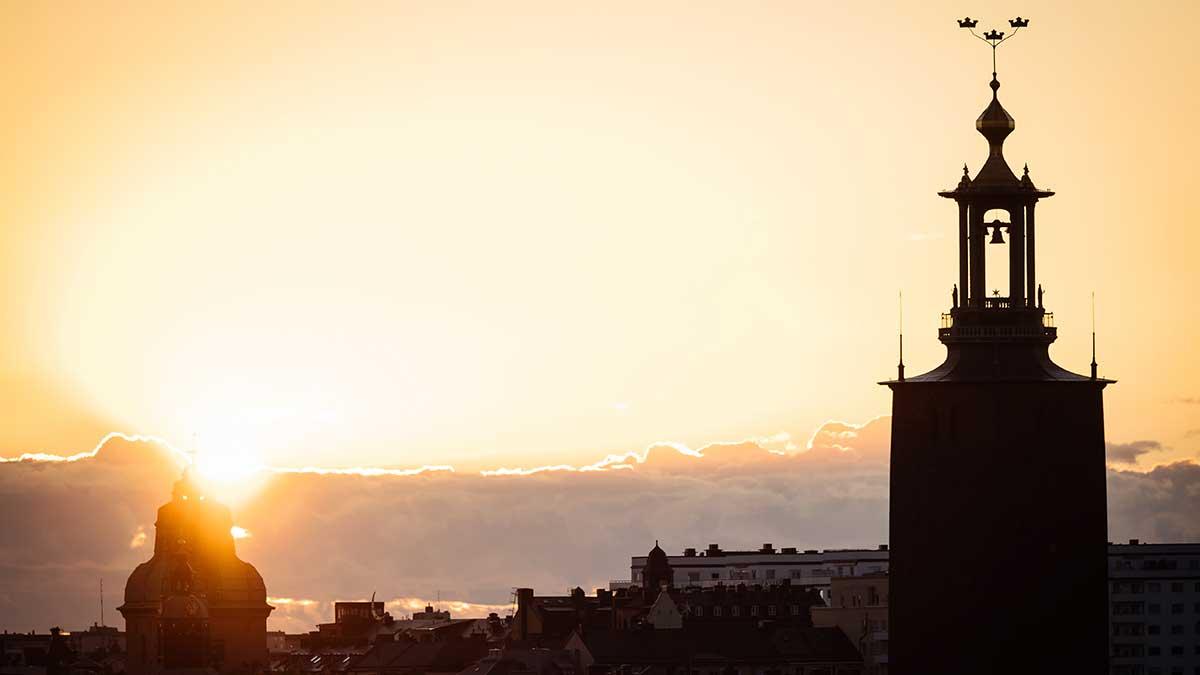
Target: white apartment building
(1154, 608)
(766, 566)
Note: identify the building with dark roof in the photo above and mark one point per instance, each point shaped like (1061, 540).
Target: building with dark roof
(859, 608)
(718, 649)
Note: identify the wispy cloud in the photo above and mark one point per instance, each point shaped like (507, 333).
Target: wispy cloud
(133, 438)
(1128, 453)
(363, 470)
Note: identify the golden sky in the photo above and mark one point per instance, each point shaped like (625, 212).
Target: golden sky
(538, 232)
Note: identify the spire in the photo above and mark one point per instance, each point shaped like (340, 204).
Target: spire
(900, 366)
(995, 124)
(1026, 181)
(965, 181)
(1093, 335)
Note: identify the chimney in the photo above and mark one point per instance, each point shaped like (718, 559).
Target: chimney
(524, 606)
(883, 547)
(767, 548)
(1134, 542)
(689, 553)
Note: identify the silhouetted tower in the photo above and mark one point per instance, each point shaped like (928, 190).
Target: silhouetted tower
(235, 597)
(657, 573)
(998, 522)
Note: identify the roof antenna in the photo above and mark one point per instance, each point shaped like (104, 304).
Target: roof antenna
(1093, 335)
(101, 601)
(900, 366)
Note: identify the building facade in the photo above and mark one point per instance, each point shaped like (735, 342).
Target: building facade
(766, 566)
(1154, 608)
(859, 607)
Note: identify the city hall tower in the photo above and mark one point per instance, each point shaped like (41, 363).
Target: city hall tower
(998, 522)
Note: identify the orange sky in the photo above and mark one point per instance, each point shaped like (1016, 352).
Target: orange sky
(526, 233)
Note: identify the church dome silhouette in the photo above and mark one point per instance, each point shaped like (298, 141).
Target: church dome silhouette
(229, 590)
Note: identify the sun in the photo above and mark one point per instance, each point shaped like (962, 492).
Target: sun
(221, 467)
(232, 475)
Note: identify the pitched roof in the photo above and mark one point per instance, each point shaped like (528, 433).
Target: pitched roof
(732, 642)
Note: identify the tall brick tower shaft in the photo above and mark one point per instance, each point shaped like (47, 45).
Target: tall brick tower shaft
(998, 505)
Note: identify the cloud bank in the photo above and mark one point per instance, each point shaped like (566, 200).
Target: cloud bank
(411, 535)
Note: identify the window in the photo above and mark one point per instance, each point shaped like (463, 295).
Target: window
(1153, 629)
(795, 610)
(1126, 651)
(1176, 586)
(1155, 587)
(717, 610)
(1155, 608)
(736, 610)
(1177, 650)
(796, 574)
(770, 574)
(1128, 608)
(1196, 608)
(1120, 628)
(754, 612)
(693, 576)
(1153, 651)
(716, 575)
(772, 610)
(1177, 629)
(1177, 608)
(699, 611)
(1127, 587)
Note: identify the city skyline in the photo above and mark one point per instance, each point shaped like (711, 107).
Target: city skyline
(445, 304)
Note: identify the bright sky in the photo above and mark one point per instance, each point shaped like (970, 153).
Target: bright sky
(529, 233)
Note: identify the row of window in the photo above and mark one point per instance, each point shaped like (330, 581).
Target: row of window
(771, 574)
(1127, 608)
(1151, 587)
(1128, 651)
(1155, 564)
(736, 610)
(1140, 669)
(1133, 629)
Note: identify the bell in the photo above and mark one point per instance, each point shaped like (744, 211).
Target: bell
(997, 236)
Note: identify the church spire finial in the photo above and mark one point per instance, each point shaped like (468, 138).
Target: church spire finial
(994, 38)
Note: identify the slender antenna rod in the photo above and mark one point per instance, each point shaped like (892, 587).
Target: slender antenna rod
(101, 601)
(900, 367)
(1093, 335)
